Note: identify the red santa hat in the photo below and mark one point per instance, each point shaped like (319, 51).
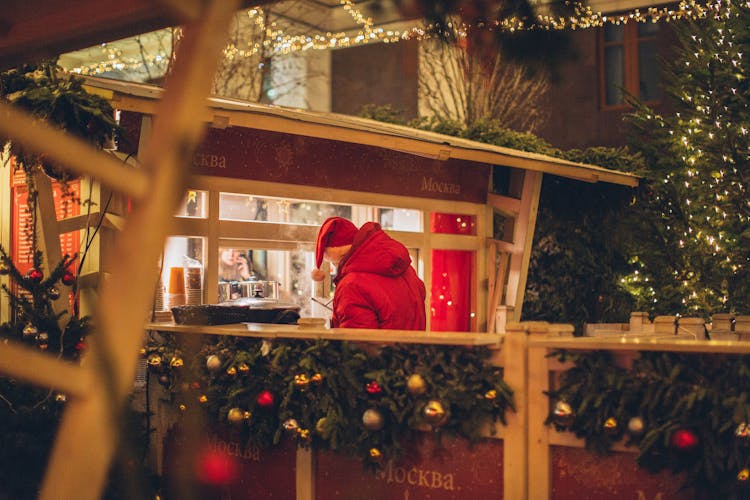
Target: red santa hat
(335, 232)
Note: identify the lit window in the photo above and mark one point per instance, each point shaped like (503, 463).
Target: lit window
(250, 208)
(193, 205)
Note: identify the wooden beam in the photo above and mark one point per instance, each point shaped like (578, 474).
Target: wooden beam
(43, 369)
(71, 152)
(77, 471)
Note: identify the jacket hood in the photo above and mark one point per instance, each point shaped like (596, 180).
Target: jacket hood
(373, 251)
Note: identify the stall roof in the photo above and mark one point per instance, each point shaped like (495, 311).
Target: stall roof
(229, 112)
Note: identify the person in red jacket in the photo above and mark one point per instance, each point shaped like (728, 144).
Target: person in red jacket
(376, 286)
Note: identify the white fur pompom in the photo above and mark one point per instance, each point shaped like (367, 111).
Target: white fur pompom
(318, 275)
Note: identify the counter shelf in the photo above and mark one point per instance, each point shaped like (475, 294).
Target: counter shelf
(645, 342)
(276, 331)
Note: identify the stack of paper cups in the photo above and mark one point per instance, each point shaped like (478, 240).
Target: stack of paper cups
(159, 297)
(193, 289)
(176, 287)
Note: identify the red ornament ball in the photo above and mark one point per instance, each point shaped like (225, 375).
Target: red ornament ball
(265, 399)
(216, 468)
(684, 440)
(374, 388)
(68, 278)
(35, 275)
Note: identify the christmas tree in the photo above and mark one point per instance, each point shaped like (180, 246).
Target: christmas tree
(29, 415)
(690, 253)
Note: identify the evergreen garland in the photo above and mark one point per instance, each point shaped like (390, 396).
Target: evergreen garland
(692, 412)
(333, 395)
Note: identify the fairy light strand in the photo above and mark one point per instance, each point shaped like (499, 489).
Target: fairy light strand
(278, 42)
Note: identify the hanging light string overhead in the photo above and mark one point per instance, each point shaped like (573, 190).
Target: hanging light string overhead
(278, 42)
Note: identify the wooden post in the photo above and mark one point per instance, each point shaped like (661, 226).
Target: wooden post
(305, 474)
(539, 486)
(515, 373)
(87, 435)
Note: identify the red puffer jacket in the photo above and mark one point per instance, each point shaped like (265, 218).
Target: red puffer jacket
(376, 287)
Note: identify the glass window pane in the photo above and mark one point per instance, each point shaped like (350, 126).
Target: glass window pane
(507, 181)
(194, 204)
(450, 302)
(648, 71)
(182, 270)
(245, 207)
(614, 32)
(289, 268)
(453, 224)
(614, 74)
(400, 219)
(502, 227)
(647, 29)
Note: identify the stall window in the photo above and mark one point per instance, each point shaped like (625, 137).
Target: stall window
(194, 205)
(502, 227)
(182, 270)
(453, 224)
(250, 208)
(400, 219)
(629, 63)
(452, 272)
(244, 207)
(452, 276)
(507, 181)
(289, 269)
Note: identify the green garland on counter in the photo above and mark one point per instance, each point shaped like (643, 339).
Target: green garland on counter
(338, 396)
(685, 412)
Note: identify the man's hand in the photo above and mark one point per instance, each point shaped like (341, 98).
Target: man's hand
(243, 268)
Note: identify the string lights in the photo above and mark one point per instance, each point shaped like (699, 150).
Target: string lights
(277, 42)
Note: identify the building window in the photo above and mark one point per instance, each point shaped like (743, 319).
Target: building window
(629, 63)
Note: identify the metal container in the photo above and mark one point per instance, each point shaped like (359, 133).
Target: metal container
(259, 289)
(225, 291)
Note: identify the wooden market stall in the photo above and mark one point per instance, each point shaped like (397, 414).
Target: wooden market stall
(465, 210)
(266, 177)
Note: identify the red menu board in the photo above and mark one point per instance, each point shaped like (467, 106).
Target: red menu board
(452, 469)
(578, 473)
(21, 230)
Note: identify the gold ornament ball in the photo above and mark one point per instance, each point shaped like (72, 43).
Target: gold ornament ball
(435, 413)
(322, 427)
(176, 362)
(236, 415)
(373, 419)
(301, 381)
(291, 425)
(742, 434)
(375, 455)
(610, 426)
(743, 475)
(213, 362)
(416, 385)
(636, 426)
(563, 414)
(304, 435)
(154, 360)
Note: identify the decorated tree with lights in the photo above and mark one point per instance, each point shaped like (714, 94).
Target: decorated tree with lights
(691, 252)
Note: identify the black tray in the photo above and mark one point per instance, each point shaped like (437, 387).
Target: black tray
(221, 314)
